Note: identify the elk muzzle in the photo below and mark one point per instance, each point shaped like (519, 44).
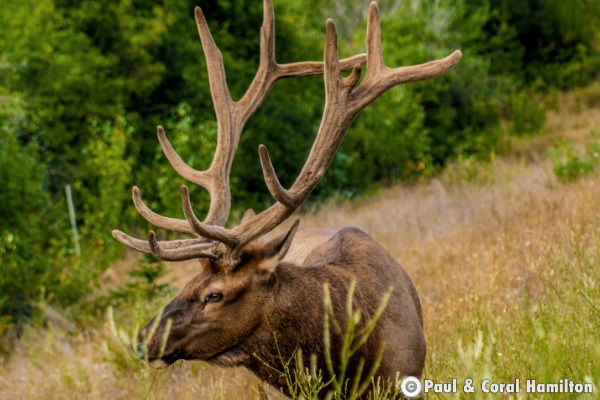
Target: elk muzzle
(159, 342)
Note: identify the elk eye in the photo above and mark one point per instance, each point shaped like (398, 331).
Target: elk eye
(214, 297)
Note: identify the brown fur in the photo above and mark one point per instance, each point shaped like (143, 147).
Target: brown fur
(265, 298)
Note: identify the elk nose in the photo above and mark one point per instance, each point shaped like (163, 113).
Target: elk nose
(140, 349)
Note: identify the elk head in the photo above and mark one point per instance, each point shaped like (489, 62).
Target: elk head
(217, 309)
(223, 304)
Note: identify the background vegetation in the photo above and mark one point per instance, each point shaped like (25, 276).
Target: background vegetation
(504, 255)
(83, 85)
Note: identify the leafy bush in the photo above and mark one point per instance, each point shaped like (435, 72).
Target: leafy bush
(550, 42)
(38, 264)
(24, 261)
(388, 147)
(568, 165)
(526, 114)
(102, 187)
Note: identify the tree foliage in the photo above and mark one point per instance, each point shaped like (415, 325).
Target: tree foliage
(83, 85)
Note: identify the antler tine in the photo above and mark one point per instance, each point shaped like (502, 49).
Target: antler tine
(267, 36)
(216, 70)
(136, 244)
(312, 68)
(422, 72)
(202, 229)
(331, 74)
(177, 225)
(249, 213)
(278, 192)
(218, 189)
(205, 250)
(374, 52)
(144, 245)
(379, 78)
(201, 178)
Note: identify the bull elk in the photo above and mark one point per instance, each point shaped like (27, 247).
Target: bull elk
(246, 289)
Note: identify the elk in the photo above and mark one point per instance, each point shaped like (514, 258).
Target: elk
(246, 289)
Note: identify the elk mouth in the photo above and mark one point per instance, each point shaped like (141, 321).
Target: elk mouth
(171, 358)
(229, 357)
(223, 354)
(164, 361)
(226, 357)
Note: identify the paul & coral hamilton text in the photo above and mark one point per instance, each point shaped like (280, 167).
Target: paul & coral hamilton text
(516, 386)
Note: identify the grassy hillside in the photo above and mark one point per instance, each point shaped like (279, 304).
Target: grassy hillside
(505, 256)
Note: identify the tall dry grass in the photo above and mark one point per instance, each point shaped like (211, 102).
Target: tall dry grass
(505, 258)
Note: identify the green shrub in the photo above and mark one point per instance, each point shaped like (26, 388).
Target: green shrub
(24, 258)
(526, 114)
(568, 165)
(38, 264)
(550, 41)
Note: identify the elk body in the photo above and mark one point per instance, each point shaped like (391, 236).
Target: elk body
(253, 303)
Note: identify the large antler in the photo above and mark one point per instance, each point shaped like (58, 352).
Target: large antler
(344, 100)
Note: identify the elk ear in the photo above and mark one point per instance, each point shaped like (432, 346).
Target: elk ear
(275, 250)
